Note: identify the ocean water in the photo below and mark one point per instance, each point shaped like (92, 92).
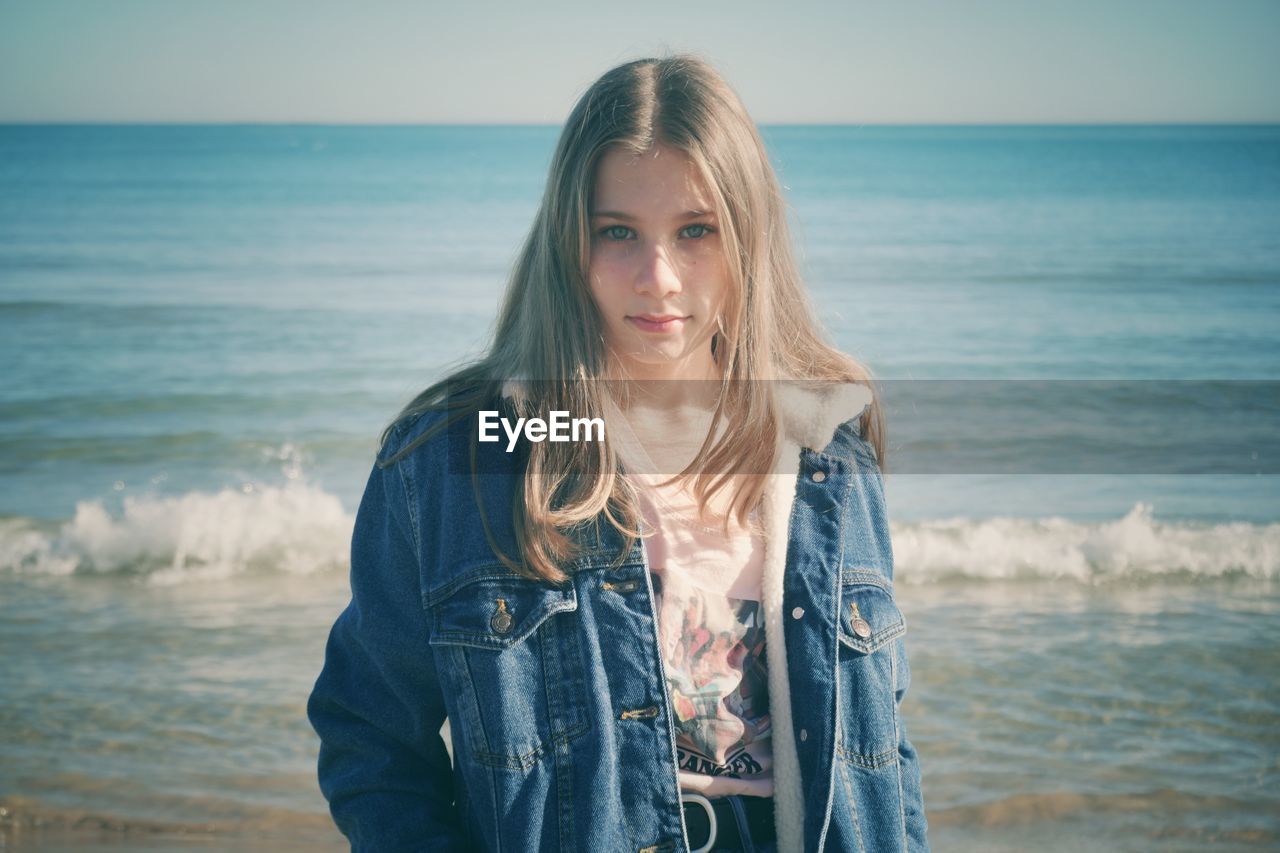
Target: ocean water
(204, 329)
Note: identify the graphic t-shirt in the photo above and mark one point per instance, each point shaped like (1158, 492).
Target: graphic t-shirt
(711, 627)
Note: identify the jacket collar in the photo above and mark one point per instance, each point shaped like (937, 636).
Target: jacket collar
(811, 415)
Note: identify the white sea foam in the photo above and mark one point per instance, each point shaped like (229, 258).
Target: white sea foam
(1131, 547)
(301, 529)
(297, 528)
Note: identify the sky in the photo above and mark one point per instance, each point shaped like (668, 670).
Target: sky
(476, 61)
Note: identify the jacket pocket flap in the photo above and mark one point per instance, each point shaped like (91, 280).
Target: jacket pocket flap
(869, 617)
(494, 612)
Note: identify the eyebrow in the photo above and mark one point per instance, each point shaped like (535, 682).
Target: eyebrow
(626, 217)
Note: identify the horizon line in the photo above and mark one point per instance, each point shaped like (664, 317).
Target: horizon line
(531, 124)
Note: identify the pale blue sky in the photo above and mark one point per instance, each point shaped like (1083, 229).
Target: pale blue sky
(966, 61)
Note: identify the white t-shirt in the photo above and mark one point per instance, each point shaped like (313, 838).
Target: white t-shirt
(710, 624)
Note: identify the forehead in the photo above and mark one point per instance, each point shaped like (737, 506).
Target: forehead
(660, 181)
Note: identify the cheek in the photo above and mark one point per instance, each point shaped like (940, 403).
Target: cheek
(605, 290)
(611, 260)
(609, 276)
(711, 275)
(706, 257)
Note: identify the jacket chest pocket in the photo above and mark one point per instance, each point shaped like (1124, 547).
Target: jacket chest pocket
(871, 626)
(508, 659)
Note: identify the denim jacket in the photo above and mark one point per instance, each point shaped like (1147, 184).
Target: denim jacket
(562, 730)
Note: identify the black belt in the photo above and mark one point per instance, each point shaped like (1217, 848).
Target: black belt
(758, 812)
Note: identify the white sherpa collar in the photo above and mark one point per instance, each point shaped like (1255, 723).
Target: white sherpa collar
(811, 415)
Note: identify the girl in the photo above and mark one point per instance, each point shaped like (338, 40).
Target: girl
(679, 634)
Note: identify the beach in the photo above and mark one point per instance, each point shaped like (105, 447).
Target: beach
(207, 327)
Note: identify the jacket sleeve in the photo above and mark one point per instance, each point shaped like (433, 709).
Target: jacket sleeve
(908, 762)
(377, 704)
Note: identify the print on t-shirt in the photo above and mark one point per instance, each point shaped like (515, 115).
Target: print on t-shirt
(714, 649)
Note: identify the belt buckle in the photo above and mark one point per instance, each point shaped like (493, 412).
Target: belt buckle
(711, 818)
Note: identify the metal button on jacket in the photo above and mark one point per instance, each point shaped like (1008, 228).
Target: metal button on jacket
(819, 476)
(501, 621)
(860, 626)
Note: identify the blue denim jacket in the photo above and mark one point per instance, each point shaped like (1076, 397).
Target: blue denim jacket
(562, 731)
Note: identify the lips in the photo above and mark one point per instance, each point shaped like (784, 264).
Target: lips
(657, 322)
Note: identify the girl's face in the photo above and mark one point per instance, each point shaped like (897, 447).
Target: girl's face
(657, 270)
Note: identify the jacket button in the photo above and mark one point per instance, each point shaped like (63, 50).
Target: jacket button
(804, 734)
(819, 476)
(501, 621)
(797, 613)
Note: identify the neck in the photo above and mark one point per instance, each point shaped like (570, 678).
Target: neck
(694, 382)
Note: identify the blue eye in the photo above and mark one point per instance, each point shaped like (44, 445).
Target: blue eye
(615, 232)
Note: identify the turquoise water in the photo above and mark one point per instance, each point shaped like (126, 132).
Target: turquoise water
(205, 328)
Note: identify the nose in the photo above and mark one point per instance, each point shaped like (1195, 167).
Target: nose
(656, 274)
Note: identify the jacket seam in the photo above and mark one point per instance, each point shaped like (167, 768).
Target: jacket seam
(410, 502)
(488, 572)
(835, 661)
(560, 752)
(897, 737)
(853, 807)
(407, 489)
(868, 762)
(493, 570)
(497, 816)
(666, 699)
(533, 756)
(858, 576)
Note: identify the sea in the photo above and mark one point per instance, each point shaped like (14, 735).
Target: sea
(204, 328)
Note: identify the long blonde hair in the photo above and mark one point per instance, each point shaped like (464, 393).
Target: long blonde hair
(549, 328)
